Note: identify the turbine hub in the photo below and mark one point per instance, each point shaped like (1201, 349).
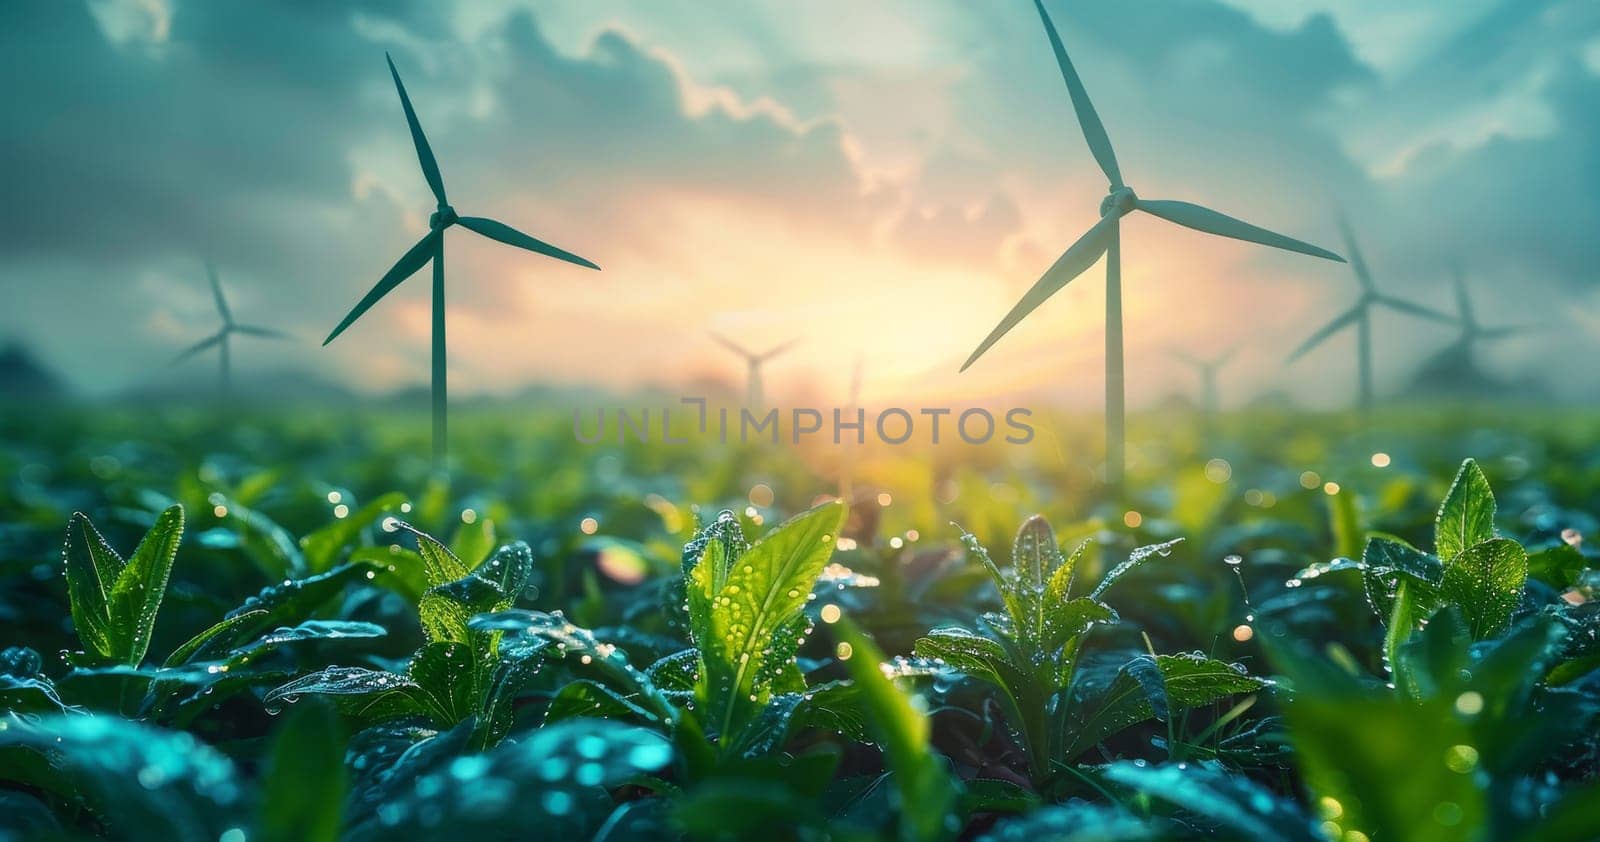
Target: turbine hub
(443, 218)
(1119, 201)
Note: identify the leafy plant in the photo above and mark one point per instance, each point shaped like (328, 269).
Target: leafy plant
(114, 601)
(746, 618)
(1472, 569)
(461, 671)
(1030, 655)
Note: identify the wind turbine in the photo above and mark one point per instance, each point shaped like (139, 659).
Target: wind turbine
(1471, 331)
(753, 363)
(220, 339)
(1104, 238)
(431, 247)
(1360, 315)
(1207, 369)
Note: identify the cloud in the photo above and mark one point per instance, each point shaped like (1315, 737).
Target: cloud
(812, 163)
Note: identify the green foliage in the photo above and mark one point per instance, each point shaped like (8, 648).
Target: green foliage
(746, 618)
(307, 747)
(926, 794)
(461, 672)
(461, 700)
(1474, 571)
(1030, 655)
(114, 602)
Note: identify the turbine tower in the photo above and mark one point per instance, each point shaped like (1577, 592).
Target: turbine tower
(221, 339)
(1207, 369)
(1104, 238)
(753, 362)
(431, 248)
(1360, 315)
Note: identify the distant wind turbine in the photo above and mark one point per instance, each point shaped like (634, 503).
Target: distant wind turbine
(753, 363)
(1104, 238)
(1360, 315)
(220, 339)
(1207, 369)
(1472, 332)
(431, 247)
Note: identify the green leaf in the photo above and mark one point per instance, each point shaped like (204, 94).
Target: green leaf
(296, 599)
(1067, 620)
(606, 663)
(1006, 585)
(1059, 588)
(979, 657)
(745, 629)
(219, 637)
(23, 685)
(1485, 581)
(264, 542)
(364, 693)
(927, 795)
(1093, 710)
(1560, 566)
(1034, 553)
(1402, 584)
(551, 784)
(1233, 802)
(1466, 517)
(141, 782)
(440, 565)
(322, 547)
(114, 603)
(450, 678)
(1077, 821)
(1135, 558)
(1378, 762)
(587, 698)
(304, 785)
(92, 568)
(1193, 680)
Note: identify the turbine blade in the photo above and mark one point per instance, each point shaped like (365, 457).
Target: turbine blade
(216, 292)
(1358, 262)
(1411, 308)
(1072, 263)
(263, 332)
(407, 266)
(1190, 215)
(1186, 357)
(512, 237)
(197, 348)
(1504, 331)
(731, 345)
(1339, 323)
(430, 167)
(773, 352)
(1094, 132)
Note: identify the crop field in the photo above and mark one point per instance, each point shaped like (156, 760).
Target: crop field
(277, 627)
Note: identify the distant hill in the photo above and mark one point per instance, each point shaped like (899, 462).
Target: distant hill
(1453, 373)
(293, 386)
(24, 377)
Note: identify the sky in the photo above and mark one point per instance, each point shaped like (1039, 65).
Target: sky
(880, 181)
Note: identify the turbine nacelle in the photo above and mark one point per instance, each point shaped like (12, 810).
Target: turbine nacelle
(1120, 202)
(443, 218)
